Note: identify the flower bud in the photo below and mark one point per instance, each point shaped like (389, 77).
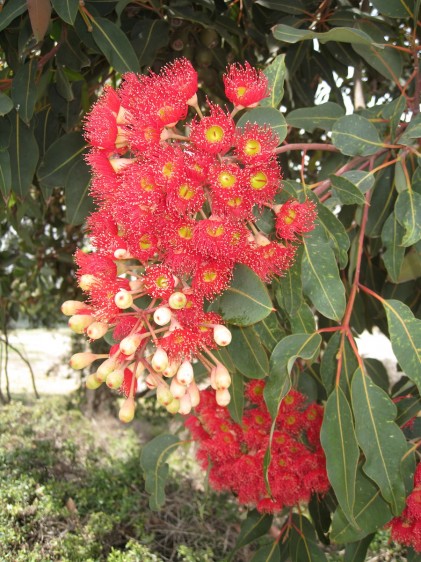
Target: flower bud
(151, 381)
(212, 378)
(86, 281)
(185, 373)
(105, 369)
(171, 369)
(79, 322)
(159, 360)
(123, 299)
(185, 405)
(163, 395)
(129, 344)
(222, 377)
(193, 390)
(173, 406)
(177, 300)
(68, 308)
(122, 254)
(118, 164)
(126, 413)
(136, 285)
(140, 369)
(115, 379)
(223, 397)
(81, 360)
(261, 239)
(222, 335)
(92, 382)
(177, 390)
(97, 330)
(162, 315)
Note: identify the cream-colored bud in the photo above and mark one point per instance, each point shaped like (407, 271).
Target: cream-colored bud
(123, 299)
(223, 397)
(122, 254)
(185, 405)
(118, 164)
(115, 379)
(69, 308)
(81, 360)
(173, 406)
(185, 373)
(97, 330)
(212, 378)
(86, 281)
(261, 239)
(177, 300)
(222, 335)
(162, 315)
(79, 322)
(129, 344)
(151, 381)
(105, 369)
(193, 390)
(177, 390)
(222, 377)
(163, 395)
(159, 360)
(92, 382)
(171, 369)
(136, 285)
(127, 410)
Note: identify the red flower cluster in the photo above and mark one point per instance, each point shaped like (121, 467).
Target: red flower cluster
(234, 453)
(406, 528)
(175, 214)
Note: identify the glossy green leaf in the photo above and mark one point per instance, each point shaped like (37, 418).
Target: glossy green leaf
(5, 173)
(247, 353)
(289, 292)
(394, 252)
(354, 135)
(346, 191)
(10, 11)
(246, 301)
(405, 336)
(363, 180)
(282, 360)
(320, 275)
(269, 331)
(236, 406)
(395, 8)
(6, 104)
(303, 546)
(149, 35)
(388, 62)
(335, 232)
(408, 214)
(342, 452)
(266, 116)
(60, 158)
(23, 152)
(115, 46)
(78, 202)
(381, 202)
(153, 462)
(329, 364)
(357, 551)
(321, 116)
(66, 9)
(290, 34)
(24, 90)
(276, 73)
(256, 525)
(381, 440)
(302, 320)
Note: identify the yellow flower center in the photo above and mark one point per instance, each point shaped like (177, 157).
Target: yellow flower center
(241, 91)
(145, 242)
(146, 185)
(209, 276)
(215, 133)
(215, 231)
(226, 179)
(258, 181)
(162, 282)
(186, 192)
(185, 232)
(252, 147)
(235, 202)
(168, 169)
(289, 218)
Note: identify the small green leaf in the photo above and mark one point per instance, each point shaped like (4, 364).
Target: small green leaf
(354, 135)
(303, 546)
(335, 232)
(24, 90)
(394, 253)
(381, 440)
(23, 152)
(341, 449)
(5, 173)
(269, 331)
(247, 353)
(246, 301)
(10, 11)
(346, 191)
(303, 320)
(78, 202)
(408, 214)
(321, 116)
(256, 525)
(66, 9)
(276, 73)
(6, 104)
(236, 406)
(266, 116)
(289, 292)
(405, 336)
(290, 34)
(363, 180)
(152, 460)
(357, 551)
(268, 553)
(115, 46)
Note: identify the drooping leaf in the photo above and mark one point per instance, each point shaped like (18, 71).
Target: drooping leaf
(275, 72)
(381, 440)
(381, 202)
(388, 62)
(329, 364)
(303, 320)
(11, 11)
(341, 449)
(39, 15)
(408, 214)
(354, 135)
(269, 331)
(236, 406)
(289, 292)
(115, 46)
(266, 116)
(149, 35)
(377, 372)
(346, 191)
(246, 301)
(6, 104)
(66, 9)
(268, 553)
(290, 34)
(24, 90)
(320, 275)
(405, 336)
(321, 116)
(394, 253)
(247, 353)
(335, 232)
(357, 551)
(303, 545)
(282, 360)
(256, 525)
(5, 173)
(363, 180)
(78, 202)
(23, 152)
(153, 462)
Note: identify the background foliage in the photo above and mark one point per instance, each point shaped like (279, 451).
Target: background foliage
(345, 102)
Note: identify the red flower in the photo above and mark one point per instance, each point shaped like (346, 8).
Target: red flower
(215, 133)
(245, 86)
(255, 144)
(295, 218)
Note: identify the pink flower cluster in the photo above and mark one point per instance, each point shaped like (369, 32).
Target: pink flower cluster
(176, 206)
(234, 453)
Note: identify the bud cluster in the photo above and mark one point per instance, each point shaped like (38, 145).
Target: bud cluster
(175, 214)
(234, 453)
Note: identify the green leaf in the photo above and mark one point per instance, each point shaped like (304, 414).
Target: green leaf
(357, 551)
(371, 512)
(394, 253)
(320, 275)
(256, 525)
(341, 449)
(269, 331)
(24, 90)
(66, 9)
(10, 11)
(303, 545)
(289, 292)
(354, 135)
(5, 173)
(247, 353)
(266, 116)
(405, 336)
(388, 62)
(6, 104)
(408, 408)
(408, 214)
(282, 360)
(115, 46)
(413, 131)
(268, 553)
(60, 158)
(346, 191)
(377, 372)
(363, 180)
(23, 152)
(393, 111)
(290, 34)
(381, 202)
(283, 6)
(149, 35)
(329, 364)
(5, 132)
(381, 440)
(78, 202)
(303, 320)
(321, 116)
(276, 73)
(152, 460)
(246, 301)
(395, 8)
(335, 232)
(236, 406)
